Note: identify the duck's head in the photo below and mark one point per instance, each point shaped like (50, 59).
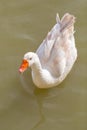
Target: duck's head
(29, 59)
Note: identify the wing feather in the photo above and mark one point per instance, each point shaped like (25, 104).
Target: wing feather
(54, 50)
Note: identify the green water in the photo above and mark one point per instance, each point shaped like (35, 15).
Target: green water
(23, 26)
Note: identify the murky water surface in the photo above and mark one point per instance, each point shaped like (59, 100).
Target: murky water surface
(23, 26)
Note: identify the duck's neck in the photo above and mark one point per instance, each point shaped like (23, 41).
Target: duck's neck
(41, 77)
(36, 67)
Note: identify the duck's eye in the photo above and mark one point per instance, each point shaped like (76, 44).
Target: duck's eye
(30, 58)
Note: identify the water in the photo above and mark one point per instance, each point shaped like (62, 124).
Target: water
(23, 26)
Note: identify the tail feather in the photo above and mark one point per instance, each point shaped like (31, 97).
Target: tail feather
(67, 22)
(57, 18)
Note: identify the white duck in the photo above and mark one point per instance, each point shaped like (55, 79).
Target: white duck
(56, 55)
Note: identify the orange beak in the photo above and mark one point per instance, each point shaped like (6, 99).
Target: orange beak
(23, 66)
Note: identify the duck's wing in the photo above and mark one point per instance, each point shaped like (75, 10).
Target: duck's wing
(46, 46)
(54, 50)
